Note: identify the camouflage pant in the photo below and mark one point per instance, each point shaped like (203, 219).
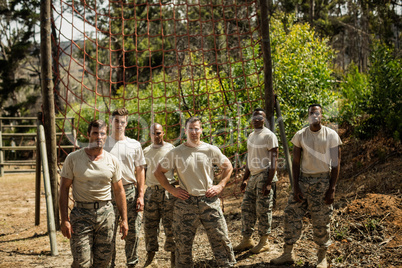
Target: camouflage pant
(187, 215)
(134, 225)
(313, 189)
(256, 206)
(159, 204)
(93, 233)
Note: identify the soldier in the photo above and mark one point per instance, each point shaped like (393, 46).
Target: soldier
(159, 203)
(316, 158)
(92, 173)
(132, 162)
(197, 196)
(262, 146)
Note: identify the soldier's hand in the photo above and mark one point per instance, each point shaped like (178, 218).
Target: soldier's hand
(266, 189)
(123, 229)
(66, 229)
(243, 186)
(140, 204)
(329, 196)
(214, 190)
(180, 193)
(298, 195)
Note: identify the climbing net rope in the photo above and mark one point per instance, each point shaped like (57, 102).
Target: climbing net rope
(164, 61)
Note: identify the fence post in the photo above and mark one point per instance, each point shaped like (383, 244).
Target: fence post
(1, 150)
(48, 191)
(38, 171)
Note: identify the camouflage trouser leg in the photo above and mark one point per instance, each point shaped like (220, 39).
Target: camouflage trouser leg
(188, 214)
(256, 206)
(92, 238)
(134, 225)
(158, 204)
(313, 189)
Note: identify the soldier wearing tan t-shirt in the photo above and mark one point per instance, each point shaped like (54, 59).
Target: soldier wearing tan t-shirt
(316, 158)
(257, 185)
(159, 203)
(197, 196)
(92, 173)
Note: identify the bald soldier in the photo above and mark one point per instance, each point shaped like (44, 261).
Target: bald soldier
(158, 202)
(198, 200)
(92, 172)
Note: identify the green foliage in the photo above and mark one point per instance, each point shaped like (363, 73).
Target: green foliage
(302, 73)
(355, 91)
(384, 105)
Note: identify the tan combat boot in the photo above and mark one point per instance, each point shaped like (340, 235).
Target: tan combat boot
(246, 243)
(322, 260)
(286, 257)
(262, 246)
(150, 258)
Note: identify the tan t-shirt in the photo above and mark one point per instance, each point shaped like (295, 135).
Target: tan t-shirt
(130, 154)
(259, 142)
(315, 149)
(92, 180)
(152, 157)
(194, 166)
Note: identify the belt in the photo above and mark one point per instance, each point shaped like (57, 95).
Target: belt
(91, 205)
(129, 186)
(317, 175)
(159, 187)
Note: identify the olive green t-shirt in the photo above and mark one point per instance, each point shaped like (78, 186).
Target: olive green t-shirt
(194, 166)
(92, 180)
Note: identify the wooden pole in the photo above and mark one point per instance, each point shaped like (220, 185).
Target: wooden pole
(284, 141)
(38, 171)
(48, 101)
(48, 192)
(1, 150)
(266, 51)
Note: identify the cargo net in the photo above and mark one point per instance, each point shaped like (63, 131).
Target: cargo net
(163, 61)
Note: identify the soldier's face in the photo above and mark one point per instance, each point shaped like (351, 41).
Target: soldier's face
(193, 131)
(314, 115)
(97, 137)
(157, 134)
(119, 124)
(258, 119)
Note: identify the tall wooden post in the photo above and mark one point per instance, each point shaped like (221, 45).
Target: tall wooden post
(38, 171)
(48, 101)
(266, 51)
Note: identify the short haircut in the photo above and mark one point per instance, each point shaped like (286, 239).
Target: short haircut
(96, 123)
(120, 111)
(259, 110)
(192, 120)
(314, 105)
(153, 125)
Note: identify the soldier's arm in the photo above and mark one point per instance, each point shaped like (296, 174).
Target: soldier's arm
(65, 226)
(297, 194)
(140, 175)
(227, 169)
(271, 170)
(175, 191)
(335, 154)
(120, 198)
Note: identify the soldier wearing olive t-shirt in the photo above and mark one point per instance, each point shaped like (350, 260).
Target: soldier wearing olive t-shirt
(316, 158)
(197, 196)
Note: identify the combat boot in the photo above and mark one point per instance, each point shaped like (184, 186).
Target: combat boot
(246, 243)
(322, 260)
(150, 258)
(172, 259)
(262, 246)
(286, 257)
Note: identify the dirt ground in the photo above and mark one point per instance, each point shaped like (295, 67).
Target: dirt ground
(366, 225)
